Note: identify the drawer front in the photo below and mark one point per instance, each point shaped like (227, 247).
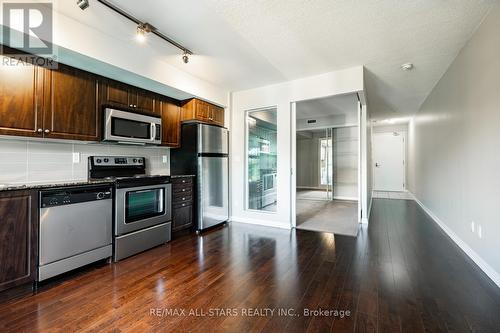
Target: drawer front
(182, 218)
(180, 197)
(182, 181)
(181, 205)
(182, 190)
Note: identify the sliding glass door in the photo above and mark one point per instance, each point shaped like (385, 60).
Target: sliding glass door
(326, 163)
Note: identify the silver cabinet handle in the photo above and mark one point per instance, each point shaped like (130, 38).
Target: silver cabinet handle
(47, 131)
(183, 190)
(183, 199)
(39, 130)
(183, 205)
(183, 181)
(135, 106)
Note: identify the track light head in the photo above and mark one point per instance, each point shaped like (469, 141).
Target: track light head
(83, 4)
(185, 57)
(142, 30)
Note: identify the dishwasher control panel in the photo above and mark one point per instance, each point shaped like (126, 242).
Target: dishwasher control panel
(74, 195)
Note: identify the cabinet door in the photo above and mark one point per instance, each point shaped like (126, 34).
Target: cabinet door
(70, 105)
(202, 110)
(113, 94)
(171, 123)
(19, 96)
(18, 238)
(182, 218)
(145, 101)
(217, 115)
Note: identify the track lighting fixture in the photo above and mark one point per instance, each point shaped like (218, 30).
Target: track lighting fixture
(83, 4)
(142, 30)
(185, 57)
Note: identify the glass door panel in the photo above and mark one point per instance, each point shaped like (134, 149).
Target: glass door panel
(144, 204)
(262, 155)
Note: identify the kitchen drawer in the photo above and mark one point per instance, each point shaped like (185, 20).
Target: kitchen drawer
(181, 205)
(182, 190)
(182, 218)
(182, 181)
(180, 197)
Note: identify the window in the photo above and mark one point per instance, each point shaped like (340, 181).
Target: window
(262, 156)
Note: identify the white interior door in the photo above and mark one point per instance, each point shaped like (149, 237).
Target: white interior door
(388, 161)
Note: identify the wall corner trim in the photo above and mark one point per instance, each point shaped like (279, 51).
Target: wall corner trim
(483, 265)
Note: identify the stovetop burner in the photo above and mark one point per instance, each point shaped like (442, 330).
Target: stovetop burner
(124, 171)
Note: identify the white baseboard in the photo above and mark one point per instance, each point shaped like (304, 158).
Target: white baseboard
(345, 198)
(261, 223)
(483, 265)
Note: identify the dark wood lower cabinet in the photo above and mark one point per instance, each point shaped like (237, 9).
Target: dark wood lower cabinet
(18, 238)
(182, 203)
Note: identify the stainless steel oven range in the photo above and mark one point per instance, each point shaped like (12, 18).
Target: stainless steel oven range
(142, 206)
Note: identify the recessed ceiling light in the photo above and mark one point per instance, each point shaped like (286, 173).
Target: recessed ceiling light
(407, 67)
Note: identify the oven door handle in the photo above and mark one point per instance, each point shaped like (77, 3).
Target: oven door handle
(144, 191)
(153, 131)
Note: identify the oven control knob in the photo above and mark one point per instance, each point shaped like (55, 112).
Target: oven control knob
(100, 195)
(106, 160)
(98, 160)
(135, 160)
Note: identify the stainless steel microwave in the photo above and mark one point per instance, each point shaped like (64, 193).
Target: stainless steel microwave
(131, 128)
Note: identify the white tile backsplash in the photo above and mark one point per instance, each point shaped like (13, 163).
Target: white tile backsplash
(39, 161)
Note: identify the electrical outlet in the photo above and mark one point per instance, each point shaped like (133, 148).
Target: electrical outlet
(480, 231)
(164, 159)
(76, 157)
(472, 226)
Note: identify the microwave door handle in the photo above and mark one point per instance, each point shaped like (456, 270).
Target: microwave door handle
(153, 131)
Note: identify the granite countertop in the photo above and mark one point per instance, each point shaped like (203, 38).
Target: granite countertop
(49, 184)
(39, 186)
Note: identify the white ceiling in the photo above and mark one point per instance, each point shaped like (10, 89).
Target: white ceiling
(330, 106)
(242, 44)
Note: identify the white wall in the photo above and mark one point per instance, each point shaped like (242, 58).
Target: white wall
(26, 161)
(454, 148)
(347, 119)
(279, 95)
(345, 163)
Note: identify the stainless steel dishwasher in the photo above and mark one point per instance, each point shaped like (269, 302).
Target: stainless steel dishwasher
(75, 228)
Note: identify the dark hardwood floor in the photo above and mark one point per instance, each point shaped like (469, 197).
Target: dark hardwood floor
(401, 274)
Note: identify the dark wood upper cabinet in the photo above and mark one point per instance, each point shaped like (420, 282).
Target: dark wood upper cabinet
(18, 238)
(171, 123)
(113, 93)
(122, 96)
(217, 115)
(196, 109)
(20, 90)
(70, 105)
(145, 101)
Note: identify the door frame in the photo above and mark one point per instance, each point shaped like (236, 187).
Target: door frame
(293, 161)
(404, 136)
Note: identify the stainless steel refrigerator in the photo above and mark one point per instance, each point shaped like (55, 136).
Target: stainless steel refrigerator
(204, 152)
